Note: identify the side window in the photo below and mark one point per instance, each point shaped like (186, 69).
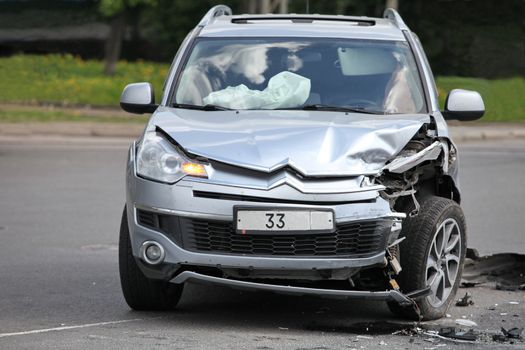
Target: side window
(426, 63)
(179, 52)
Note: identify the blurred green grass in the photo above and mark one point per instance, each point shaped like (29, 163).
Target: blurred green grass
(66, 80)
(69, 80)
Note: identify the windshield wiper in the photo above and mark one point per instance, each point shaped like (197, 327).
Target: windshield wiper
(201, 108)
(321, 107)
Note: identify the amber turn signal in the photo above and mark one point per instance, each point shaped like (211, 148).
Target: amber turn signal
(194, 169)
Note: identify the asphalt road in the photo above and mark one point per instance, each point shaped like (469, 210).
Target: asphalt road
(492, 183)
(60, 207)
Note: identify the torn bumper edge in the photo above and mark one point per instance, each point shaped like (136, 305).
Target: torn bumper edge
(400, 165)
(388, 295)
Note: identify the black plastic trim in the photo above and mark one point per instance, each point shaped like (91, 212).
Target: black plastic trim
(242, 198)
(302, 19)
(139, 108)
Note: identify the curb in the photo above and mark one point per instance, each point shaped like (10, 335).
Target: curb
(128, 130)
(124, 130)
(487, 132)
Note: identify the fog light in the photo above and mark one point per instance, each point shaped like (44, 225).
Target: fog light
(152, 252)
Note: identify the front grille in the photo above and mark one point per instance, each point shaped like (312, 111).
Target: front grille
(356, 240)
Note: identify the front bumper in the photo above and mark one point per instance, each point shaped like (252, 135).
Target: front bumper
(180, 256)
(181, 200)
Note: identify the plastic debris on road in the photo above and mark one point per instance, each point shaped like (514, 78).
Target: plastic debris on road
(512, 333)
(465, 301)
(452, 333)
(466, 323)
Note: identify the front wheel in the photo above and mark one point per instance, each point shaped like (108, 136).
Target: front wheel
(432, 255)
(140, 292)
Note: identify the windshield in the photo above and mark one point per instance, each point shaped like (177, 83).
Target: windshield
(314, 73)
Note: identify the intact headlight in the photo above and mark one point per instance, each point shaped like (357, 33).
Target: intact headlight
(159, 160)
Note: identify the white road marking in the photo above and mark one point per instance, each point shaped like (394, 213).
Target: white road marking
(64, 328)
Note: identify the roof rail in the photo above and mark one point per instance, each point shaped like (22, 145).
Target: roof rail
(214, 12)
(394, 16)
(304, 18)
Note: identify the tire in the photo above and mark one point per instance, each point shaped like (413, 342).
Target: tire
(140, 292)
(438, 218)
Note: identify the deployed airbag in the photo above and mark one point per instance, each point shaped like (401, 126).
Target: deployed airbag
(285, 90)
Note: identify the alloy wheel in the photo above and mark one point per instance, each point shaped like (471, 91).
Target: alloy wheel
(443, 262)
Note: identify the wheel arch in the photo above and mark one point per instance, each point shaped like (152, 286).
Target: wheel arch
(441, 186)
(447, 188)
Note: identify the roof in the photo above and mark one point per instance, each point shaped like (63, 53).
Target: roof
(294, 25)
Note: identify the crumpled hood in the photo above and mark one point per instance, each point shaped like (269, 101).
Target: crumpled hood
(312, 142)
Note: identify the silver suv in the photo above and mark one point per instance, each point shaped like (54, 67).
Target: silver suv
(302, 154)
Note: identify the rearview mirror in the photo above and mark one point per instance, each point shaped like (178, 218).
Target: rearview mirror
(138, 98)
(464, 105)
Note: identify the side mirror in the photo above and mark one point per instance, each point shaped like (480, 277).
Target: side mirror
(138, 98)
(464, 105)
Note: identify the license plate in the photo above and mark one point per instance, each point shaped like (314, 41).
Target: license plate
(253, 221)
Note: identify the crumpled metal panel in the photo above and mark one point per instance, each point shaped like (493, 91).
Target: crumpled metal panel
(400, 165)
(312, 142)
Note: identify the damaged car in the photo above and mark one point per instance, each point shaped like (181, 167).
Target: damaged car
(298, 154)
